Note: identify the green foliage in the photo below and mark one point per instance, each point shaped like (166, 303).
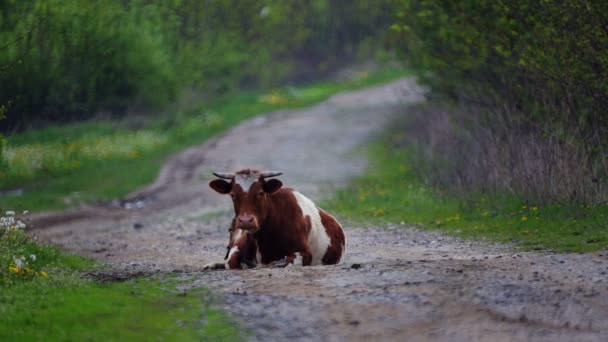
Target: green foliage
(68, 60)
(545, 60)
(391, 192)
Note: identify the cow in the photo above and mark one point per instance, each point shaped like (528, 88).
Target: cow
(274, 225)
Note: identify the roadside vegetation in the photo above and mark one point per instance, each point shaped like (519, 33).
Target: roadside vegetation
(63, 166)
(44, 295)
(399, 190)
(524, 84)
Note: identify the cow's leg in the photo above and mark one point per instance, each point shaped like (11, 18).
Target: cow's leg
(298, 258)
(215, 266)
(234, 259)
(306, 257)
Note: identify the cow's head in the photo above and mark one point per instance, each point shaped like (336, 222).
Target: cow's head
(249, 190)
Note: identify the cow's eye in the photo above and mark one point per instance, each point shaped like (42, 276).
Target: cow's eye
(261, 193)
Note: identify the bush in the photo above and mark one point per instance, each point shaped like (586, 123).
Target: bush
(69, 60)
(535, 73)
(66, 60)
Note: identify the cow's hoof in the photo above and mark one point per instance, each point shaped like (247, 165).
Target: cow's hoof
(280, 263)
(214, 266)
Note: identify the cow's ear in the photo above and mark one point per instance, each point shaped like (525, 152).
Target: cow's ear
(220, 186)
(272, 185)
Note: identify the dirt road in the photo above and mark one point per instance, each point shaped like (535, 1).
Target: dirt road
(396, 283)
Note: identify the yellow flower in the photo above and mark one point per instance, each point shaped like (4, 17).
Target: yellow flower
(44, 274)
(524, 218)
(534, 208)
(379, 212)
(14, 269)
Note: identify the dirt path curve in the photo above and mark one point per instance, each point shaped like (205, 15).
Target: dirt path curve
(396, 283)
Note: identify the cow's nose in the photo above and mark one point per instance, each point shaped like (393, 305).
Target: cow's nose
(246, 219)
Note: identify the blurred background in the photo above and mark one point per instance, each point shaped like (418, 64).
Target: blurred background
(73, 60)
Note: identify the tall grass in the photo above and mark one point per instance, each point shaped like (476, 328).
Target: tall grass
(29, 160)
(465, 150)
(401, 188)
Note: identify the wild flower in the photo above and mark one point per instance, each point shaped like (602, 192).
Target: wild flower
(274, 98)
(16, 258)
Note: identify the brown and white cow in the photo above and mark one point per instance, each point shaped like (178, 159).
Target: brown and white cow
(274, 225)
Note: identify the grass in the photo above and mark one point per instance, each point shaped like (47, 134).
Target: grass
(69, 308)
(43, 297)
(62, 166)
(391, 192)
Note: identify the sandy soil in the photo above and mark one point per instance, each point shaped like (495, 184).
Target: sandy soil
(396, 283)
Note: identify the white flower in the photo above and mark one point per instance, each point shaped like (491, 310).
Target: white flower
(265, 11)
(33, 257)
(10, 213)
(18, 262)
(25, 212)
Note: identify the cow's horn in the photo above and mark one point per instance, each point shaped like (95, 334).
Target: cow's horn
(270, 174)
(224, 175)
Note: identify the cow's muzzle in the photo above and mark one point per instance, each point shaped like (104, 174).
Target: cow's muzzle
(247, 222)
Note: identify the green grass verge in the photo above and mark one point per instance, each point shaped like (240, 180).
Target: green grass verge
(391, 192)
(72, 309)
(62, 306)
(66, 171)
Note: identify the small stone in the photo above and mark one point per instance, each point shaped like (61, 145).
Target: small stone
(355, 267)
(138, 225)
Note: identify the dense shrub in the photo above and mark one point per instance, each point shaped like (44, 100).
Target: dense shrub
(533, 71)
(66, 60)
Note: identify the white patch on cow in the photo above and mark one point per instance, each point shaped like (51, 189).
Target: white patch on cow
(258, 256)
(237, 235)
(233, 250)
(246, 180)
(298, 259)
(318, 240)
(339, 225)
